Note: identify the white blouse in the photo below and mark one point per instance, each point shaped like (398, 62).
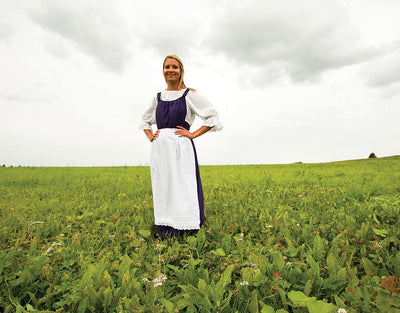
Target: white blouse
(196, 104)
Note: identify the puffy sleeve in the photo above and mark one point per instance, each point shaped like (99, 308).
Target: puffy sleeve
(203, 108)
(149, 116)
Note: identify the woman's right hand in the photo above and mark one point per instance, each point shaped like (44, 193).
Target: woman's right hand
(150, 134)
(155, 136)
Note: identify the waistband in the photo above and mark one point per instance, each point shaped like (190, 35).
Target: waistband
(168, 130)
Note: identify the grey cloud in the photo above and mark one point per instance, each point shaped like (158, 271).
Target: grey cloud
(97, 32)
(174, 33)
(300, 40)
(168, 44)
(28, 95)
(385, 71)
(5, 31)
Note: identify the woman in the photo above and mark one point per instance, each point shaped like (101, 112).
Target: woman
(177, 192)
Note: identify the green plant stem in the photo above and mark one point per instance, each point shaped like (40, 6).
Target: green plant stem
(390, 297)
(16, 305)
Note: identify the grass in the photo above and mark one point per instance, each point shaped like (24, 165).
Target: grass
(278, 238)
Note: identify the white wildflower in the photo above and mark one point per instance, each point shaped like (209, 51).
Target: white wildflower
(145, 280)
(51, 248)
(244, 283)
(378, 245)
(158, 281)
(30, 223)
(251, 264)
(341, 310)
(241, 237)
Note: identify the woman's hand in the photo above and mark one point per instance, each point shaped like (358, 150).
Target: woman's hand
(150, 134)
(183, 132)
(155, 135)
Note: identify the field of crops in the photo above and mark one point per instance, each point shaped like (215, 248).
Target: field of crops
(278, 238)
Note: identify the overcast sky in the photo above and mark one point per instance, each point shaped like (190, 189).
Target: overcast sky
(310, 81)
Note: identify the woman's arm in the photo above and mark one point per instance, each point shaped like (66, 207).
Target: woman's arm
(184, 132)
(203, 108)
(150, 135)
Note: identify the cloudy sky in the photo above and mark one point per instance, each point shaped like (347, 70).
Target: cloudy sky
(310, 81)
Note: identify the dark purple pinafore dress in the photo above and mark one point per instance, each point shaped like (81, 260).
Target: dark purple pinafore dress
(168, 162)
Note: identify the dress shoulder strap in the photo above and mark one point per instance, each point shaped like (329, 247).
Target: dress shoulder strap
(186, 92)
(159, 96)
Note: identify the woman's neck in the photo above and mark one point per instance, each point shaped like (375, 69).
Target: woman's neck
(175, 87)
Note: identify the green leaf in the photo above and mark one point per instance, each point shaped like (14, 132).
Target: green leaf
(314, 265)
(107, 297)
(321, 307)
(219, 252)
(278, 260)
(183, 303)
(191, 240)
(318, 249)
(253, 305)
(369, 266)
(342, 274)
(308, 286)
(339, 301)
(202, 286)
(222, 283)
(281, 311)
(300, 299)
(267, 309)
(332, 263)
(144, 232)
(380, 232)
(169, 306)
(193, 262)
(226, 276)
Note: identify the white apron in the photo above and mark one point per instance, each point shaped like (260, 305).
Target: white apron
(173, 178)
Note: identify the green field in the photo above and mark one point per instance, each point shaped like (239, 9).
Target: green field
(278, 238)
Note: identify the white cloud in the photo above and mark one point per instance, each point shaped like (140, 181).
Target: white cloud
(94, 29)
(297, 39)
(171, 27)
(5, 31)
(385, 71)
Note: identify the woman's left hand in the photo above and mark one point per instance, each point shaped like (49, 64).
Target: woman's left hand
(183, 132)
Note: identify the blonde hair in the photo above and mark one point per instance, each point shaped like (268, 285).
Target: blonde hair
(182, 69)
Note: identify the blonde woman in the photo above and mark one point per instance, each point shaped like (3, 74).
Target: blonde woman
(177, 191)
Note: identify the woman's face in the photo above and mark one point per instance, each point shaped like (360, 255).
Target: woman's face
(172, 71)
